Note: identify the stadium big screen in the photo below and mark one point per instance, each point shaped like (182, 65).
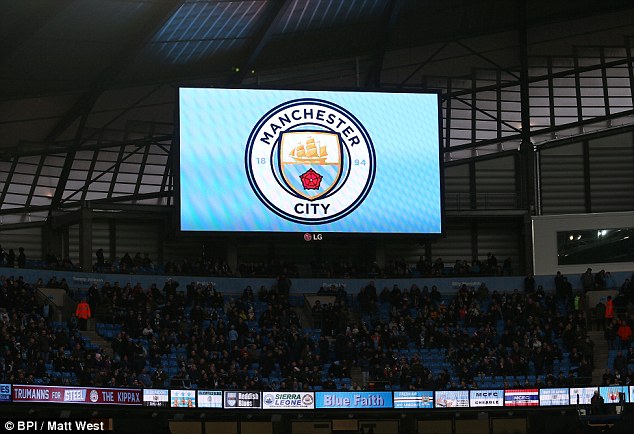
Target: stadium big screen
(298, 161)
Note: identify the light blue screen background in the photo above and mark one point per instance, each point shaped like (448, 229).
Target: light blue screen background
(215, 194)
(386, 396)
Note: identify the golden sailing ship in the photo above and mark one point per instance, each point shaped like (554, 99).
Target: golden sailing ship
(310, 152)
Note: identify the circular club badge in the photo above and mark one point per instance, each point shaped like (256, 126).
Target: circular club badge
(310, 161)
(94, 395)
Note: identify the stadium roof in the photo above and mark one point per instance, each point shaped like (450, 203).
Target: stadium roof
(87, 86)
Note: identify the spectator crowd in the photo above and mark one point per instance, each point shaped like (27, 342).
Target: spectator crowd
(399, 337)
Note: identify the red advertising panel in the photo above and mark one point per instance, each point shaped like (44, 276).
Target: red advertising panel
(76, 395)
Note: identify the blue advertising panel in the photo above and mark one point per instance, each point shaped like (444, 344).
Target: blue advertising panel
(581, 395)
(303, 161)
(452, 398)
(5, 393)
(414, 399)
(555, 396)
(345, 400)
(610, 394)
(631, 393)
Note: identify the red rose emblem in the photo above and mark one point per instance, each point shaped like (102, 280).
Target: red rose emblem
(311, 180)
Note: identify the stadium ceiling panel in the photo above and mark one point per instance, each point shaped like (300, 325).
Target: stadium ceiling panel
(87, 87)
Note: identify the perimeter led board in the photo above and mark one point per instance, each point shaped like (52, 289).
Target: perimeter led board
(486, 398)
(414, 399)
(555, 396)
(581, 395)
(210, 398)
(452, 398)
(296, 161)
(610, 394)
(182, 398)
(241, 400)
(347, 400)
(288, 400)
(156, 397)
(521, 397)
(5, 393)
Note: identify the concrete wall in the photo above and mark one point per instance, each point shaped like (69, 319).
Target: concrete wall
(228, 286)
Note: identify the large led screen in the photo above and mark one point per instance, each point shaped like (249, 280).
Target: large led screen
(297, 161)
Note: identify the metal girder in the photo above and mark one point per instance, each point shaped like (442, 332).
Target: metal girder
(484, 112)
(38, 172)
(536, 79)
(20, 210)
(541, 131)
(592, 135)
(509, 152)
(630, 63)
(96, 146)
(261, 37)
(422, 65)
(7, 182)
(126, 110)
(486, 59)
(153, 21)
(389, 19)
(114, 168)
(99, 209)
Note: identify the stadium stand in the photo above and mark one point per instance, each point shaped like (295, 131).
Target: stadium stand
(398, 339)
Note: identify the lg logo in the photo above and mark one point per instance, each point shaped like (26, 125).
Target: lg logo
(313, 237)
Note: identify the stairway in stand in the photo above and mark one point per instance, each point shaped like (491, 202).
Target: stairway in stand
(100, 341)
(356, 376)
(305, 319)
(600, 355)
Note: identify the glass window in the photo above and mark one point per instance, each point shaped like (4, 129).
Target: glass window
(589, 246)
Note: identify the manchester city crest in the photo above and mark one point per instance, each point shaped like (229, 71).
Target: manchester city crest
(310, 161)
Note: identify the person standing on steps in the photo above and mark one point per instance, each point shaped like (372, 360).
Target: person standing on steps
(83, 313)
